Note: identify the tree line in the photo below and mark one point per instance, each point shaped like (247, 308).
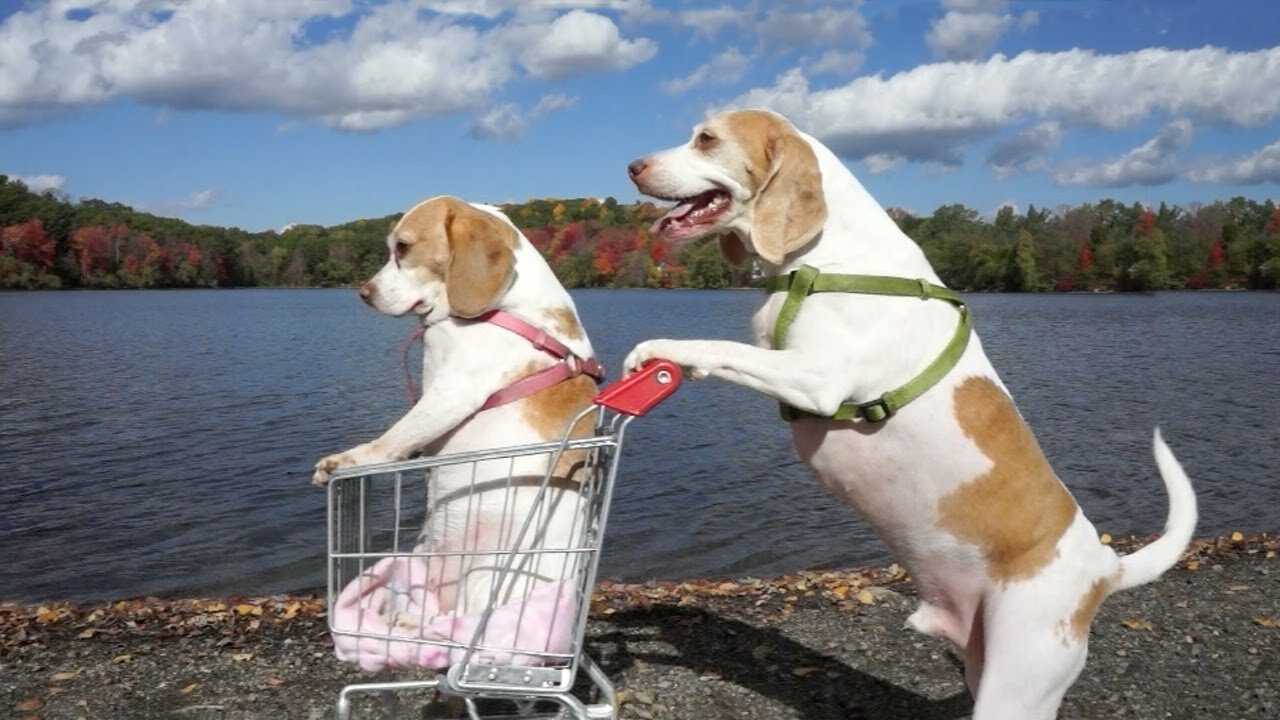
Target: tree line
(49, 241)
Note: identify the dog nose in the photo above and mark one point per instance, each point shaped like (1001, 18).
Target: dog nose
(366, 292)
(637, 167)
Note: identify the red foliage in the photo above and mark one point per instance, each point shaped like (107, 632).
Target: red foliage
(1146, 223)
(28, 243)
(142, 251)
(1197, 280)
(1215, 255)
(1273, 225)
(1067, 283)
(1084, 260)
(658, 250)
(93, 250)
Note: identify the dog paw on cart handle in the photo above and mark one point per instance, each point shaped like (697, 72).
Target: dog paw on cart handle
(332, 463)
(663, 349)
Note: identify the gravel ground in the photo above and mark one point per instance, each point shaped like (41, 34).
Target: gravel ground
(1204, 642)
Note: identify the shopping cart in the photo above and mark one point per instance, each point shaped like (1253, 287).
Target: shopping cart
(522, 646)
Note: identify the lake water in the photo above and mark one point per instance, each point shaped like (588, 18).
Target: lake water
(157, 442)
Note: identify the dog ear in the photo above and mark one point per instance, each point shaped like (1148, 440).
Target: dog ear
(481, 261)
(732, 248)
(789, 210)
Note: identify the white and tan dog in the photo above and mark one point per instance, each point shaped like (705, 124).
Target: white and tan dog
(1007, 566)
(453, 264)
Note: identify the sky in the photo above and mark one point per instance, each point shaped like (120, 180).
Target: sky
(262, 114)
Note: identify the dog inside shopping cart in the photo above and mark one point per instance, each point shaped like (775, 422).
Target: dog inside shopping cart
(494, 572)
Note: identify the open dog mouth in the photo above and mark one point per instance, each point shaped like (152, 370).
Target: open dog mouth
(693, 216)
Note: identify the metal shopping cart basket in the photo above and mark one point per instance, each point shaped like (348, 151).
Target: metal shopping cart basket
(533, 571)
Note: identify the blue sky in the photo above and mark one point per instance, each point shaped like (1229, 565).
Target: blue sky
(259, 114)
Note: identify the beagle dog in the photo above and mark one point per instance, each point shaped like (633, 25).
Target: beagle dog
(505, 362)
(1007, 566)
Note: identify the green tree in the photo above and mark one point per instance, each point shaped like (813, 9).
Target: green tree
(1022, 271)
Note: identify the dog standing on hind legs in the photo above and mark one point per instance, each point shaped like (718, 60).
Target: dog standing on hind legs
(895, 407)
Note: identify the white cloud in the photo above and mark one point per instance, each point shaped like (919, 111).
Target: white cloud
(708, 22)
(966, 36)
(1023, 151)
(881, 163)
(580, 42)
(723, 69)
(40, 183)
(824, 26)
(931, 112)
(395, 65)
(973, 6)
(1154, 162)
(506, 123)
(1249, 169)
(197, 200)
(785, 28)
(835, 62)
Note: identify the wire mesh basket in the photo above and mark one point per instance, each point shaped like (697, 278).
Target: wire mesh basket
(488, 598)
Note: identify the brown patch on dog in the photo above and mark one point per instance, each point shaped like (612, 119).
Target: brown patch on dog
(789, 209)
(549, 411)
(752, 131)
(564, 324)
(1090, 601)
(1018, 510)
(470, 249)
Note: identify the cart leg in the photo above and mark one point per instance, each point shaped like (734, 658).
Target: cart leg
(607, 705)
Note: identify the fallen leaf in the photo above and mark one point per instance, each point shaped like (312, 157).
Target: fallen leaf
(1137, 624)
(290, 610)
(241, 657)
(29, 705)
(1105, 539)
(274, 681)
(215, 607)
(1193, 564)
(866, 597)
(121, 659)
(1237, 588)
(88, 633)
(187, 690)
(1267, 621)
(803, 671)
(1271, 553)
(1237, 536)
(64, 676)
(643, 697)
(247, 609)
(842, 591)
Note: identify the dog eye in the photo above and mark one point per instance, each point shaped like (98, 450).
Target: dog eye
(401, 249)
(704, 139)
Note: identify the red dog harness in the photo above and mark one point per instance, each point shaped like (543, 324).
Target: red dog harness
(571, 365)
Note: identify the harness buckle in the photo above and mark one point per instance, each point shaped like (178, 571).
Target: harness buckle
(574, 363)
(875, 411)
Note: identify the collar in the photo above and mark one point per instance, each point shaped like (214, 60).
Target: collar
(806, 280)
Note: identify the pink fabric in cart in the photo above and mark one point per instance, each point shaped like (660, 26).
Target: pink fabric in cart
(384, 602)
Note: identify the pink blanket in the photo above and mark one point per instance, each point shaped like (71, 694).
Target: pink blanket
(389, 617)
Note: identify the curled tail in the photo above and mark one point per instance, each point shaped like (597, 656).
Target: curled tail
(1152, 561)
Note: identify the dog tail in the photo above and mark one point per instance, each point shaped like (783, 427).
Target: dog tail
(1150, 562)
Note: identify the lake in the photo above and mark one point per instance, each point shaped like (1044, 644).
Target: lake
(161, 442)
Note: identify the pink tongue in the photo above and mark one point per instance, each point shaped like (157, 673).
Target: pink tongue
(673, 214)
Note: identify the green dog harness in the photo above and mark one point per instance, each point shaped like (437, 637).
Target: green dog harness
(807, 280)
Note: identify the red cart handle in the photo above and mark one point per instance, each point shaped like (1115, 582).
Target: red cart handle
(638, 392)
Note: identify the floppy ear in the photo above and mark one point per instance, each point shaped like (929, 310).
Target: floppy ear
(481, 262)
(732, 249)
(789, 210)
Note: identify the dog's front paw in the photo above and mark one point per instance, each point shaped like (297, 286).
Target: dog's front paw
(672, 350)
(327, 466)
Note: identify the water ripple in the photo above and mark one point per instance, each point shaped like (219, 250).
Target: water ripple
(161, 442)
